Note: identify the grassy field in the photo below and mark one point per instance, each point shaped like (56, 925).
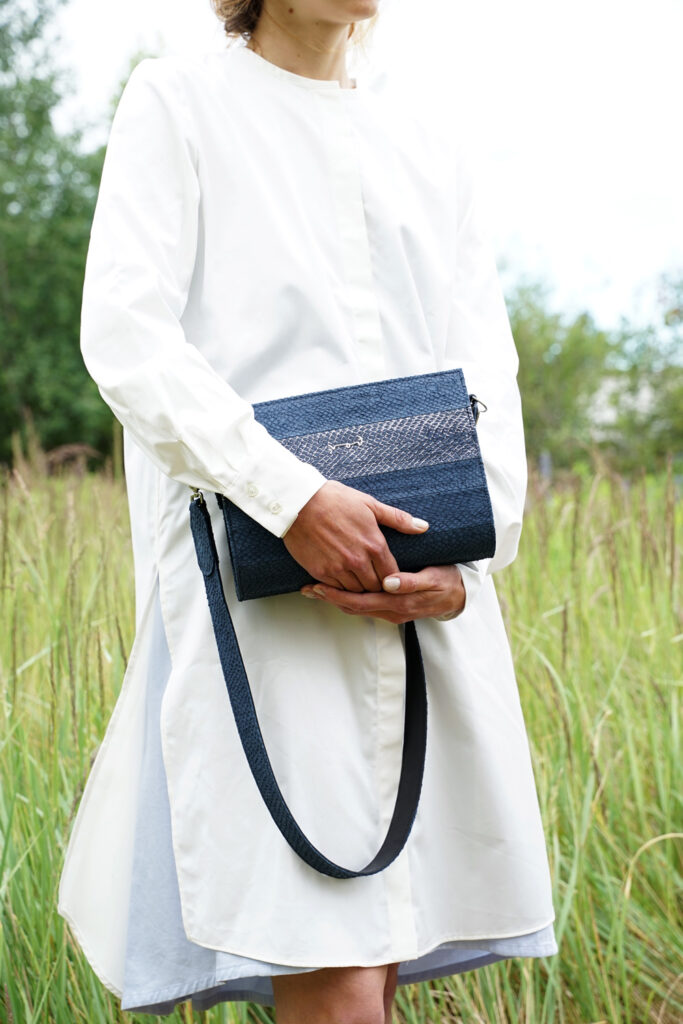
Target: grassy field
(593, 610)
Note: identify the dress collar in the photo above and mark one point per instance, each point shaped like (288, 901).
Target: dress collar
(328, 85)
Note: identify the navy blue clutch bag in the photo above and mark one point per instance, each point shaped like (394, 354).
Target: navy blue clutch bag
(411, 442)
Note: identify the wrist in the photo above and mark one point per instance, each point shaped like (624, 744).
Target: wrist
(318, 485)
(459, 599)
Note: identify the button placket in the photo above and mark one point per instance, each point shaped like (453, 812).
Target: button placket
(345, 181)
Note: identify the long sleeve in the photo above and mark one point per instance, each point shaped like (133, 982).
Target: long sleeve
(480, 341)
(139, 268)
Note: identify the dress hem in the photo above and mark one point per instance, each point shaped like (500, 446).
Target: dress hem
(158, 1001)
(85, 947)
(409, 955)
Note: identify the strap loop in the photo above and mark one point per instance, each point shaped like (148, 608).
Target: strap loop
(239, 692)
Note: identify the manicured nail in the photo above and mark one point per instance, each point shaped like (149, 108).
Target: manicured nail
(392, 582)
(309, 593)
(319, 591)
(420, 524)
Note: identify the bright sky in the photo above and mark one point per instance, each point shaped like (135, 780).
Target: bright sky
(574, 110)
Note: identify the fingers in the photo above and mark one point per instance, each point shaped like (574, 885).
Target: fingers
(337, 537)
(367, 603)
(427, 593)
(351, 581)
(363, 575)
(388, 515)
(355, 571)
(410, 582)
(383, 562)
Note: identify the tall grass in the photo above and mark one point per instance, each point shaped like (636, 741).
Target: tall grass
(592, 606)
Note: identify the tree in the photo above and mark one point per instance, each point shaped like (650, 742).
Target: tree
(582, 387)
(647, 422)
(562, 365)
(48, 190)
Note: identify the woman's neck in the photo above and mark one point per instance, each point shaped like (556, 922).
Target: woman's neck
(315, 49)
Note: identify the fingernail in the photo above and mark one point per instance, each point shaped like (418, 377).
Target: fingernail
(392, 582)
(309, 593)
(420, 524)
(319, 591)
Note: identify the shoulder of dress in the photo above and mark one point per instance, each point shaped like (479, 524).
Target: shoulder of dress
(176, 82)
(174, 70)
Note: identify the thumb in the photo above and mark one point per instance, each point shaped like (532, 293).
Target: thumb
(398, 519)
(407, 582)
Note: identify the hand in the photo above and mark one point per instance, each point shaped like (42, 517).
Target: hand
(337, 540)
(436, 590)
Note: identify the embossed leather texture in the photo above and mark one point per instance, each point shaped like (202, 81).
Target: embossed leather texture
(409, 441)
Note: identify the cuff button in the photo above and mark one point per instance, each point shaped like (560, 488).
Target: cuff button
(276, 508)
(252, 490)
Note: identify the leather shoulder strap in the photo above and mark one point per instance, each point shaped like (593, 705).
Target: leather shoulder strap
(415, 729)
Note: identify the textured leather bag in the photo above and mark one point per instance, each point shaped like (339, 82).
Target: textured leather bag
(411, 442)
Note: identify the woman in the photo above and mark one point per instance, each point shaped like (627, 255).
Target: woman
(266, 226)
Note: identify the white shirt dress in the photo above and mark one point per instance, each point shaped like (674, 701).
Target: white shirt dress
(258, 234)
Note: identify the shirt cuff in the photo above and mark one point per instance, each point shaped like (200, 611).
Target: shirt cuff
(473, 574)
(273, 490)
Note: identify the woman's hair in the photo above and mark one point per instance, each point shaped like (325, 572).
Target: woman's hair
(239, 18)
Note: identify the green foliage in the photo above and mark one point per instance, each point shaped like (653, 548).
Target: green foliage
(592, 607)
(48, 190)
(561, 367)
(580, 385)
(648, 400)
(583, 387)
